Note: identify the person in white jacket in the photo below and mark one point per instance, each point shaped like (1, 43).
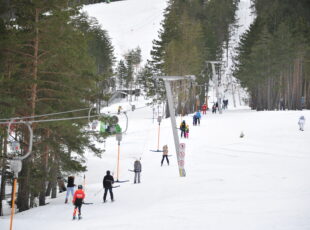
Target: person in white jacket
(301, 123)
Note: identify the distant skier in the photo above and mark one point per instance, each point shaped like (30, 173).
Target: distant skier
(119, 110)
(182, 128)
(186, 131)
(301, 123)
(78, 198)
(165, 154)
(137, 170)
(108, 180)
(198, 115)
(194, 120)
(70, 187)
(214, 108)
(204, 109)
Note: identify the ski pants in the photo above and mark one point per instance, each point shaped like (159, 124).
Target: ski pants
(301, 125)
(182, 133)
(162, 161)
(198, 121)
(137, 177)
(106, 192)
(77, 207)
(69, 189)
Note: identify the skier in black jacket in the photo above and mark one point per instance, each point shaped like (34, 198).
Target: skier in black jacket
(108, 180)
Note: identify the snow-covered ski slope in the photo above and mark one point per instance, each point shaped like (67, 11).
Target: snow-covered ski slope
(130, 23)
(251, 183)
(259, 182)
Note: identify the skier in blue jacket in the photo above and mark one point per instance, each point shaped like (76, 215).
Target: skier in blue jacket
(198, 116)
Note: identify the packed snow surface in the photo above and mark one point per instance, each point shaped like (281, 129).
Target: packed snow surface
(256, 182)
(130, 23)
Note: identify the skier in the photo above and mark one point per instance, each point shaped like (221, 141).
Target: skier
(137, 170)
(119, 110)
(182, 128)
(70, 187)
(214, 108)
(108, 180)
(198, 115)
(204, 109)
(194, 120)
(301, 123)
(186, 131)
(78, 198)
(165, 155)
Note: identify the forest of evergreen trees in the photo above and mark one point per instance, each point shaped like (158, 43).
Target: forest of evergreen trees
(193, 32)
(52, 59)
(273, 61)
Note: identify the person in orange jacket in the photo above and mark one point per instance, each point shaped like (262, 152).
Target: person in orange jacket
(78, 198)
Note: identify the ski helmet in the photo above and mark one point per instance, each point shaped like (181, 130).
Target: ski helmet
(80, 187)
(108, 172)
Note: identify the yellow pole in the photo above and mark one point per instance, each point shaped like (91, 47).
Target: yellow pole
(13, 203)
(158, 137)
(118, 161)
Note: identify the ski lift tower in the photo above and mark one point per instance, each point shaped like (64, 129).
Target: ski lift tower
(179, 152)
(216, 82)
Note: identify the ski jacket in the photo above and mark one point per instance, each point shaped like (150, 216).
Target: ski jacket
(137, 166)
(198, 115)
(78, 197)
(70, 181)
(165, 150)
(183, 126)
(108, 180)
(301, 120)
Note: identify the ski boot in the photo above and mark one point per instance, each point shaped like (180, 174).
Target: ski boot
(80, 217)
(73, 218)
(66, 201)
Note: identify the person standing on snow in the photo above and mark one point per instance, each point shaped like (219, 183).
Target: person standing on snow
(70, 187)
(108, 180)
(204, 109)
(301, 123)
(198, 115)
(186, 131)
(194, 120)
(137, 169)
(182, 128)
(78, 198)
(165, 154)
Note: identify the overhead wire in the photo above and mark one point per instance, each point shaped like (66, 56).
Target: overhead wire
(43, 115)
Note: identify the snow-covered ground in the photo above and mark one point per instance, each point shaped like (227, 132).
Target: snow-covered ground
(256, 182)
(259, 182)
(130, 23)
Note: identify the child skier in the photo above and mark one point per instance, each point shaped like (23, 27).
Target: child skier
(137, 170)
(78, 198)
(301, 123)
(186, 131)
(165, 154)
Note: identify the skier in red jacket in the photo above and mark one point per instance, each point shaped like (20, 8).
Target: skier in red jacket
(78, 198)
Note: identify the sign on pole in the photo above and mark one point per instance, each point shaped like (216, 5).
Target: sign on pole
(181, 158)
